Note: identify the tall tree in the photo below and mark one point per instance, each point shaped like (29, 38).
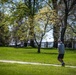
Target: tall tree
(4, 30)
(18, 21)
(69, 5)
(63, 9)
(44, 20)
(56, 27)
(33, 6)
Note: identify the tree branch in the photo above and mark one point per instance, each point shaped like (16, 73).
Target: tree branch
(49, 4)
(72, 5)
(72, 29)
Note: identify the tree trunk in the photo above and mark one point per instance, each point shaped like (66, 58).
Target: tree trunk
(65, 22)
(15, 43)
(56, 28)
(56, 35)
(39, 46)
(31, 32)
(31, 15)
(32, 43)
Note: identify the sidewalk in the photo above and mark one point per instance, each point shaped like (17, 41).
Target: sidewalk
(33, 63)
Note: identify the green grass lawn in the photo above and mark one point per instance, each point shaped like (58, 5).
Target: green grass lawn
(48, 56)
(17, 69)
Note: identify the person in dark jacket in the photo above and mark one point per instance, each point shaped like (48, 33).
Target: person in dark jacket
(61, 52)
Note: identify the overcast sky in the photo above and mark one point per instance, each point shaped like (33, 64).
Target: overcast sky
(49, 37)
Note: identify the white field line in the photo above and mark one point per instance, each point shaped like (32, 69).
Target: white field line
(33, 63)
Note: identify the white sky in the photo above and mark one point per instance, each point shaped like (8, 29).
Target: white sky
(49, 37)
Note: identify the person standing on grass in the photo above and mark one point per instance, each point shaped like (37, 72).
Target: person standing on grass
(61, 52)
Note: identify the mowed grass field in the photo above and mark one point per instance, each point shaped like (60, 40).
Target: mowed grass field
(48, 56)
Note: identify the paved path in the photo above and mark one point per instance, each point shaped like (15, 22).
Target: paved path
(33, 63)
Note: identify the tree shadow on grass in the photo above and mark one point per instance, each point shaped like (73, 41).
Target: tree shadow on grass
(30, 52)
(49, 53)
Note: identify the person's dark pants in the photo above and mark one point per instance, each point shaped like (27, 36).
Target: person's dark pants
(60, 57)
